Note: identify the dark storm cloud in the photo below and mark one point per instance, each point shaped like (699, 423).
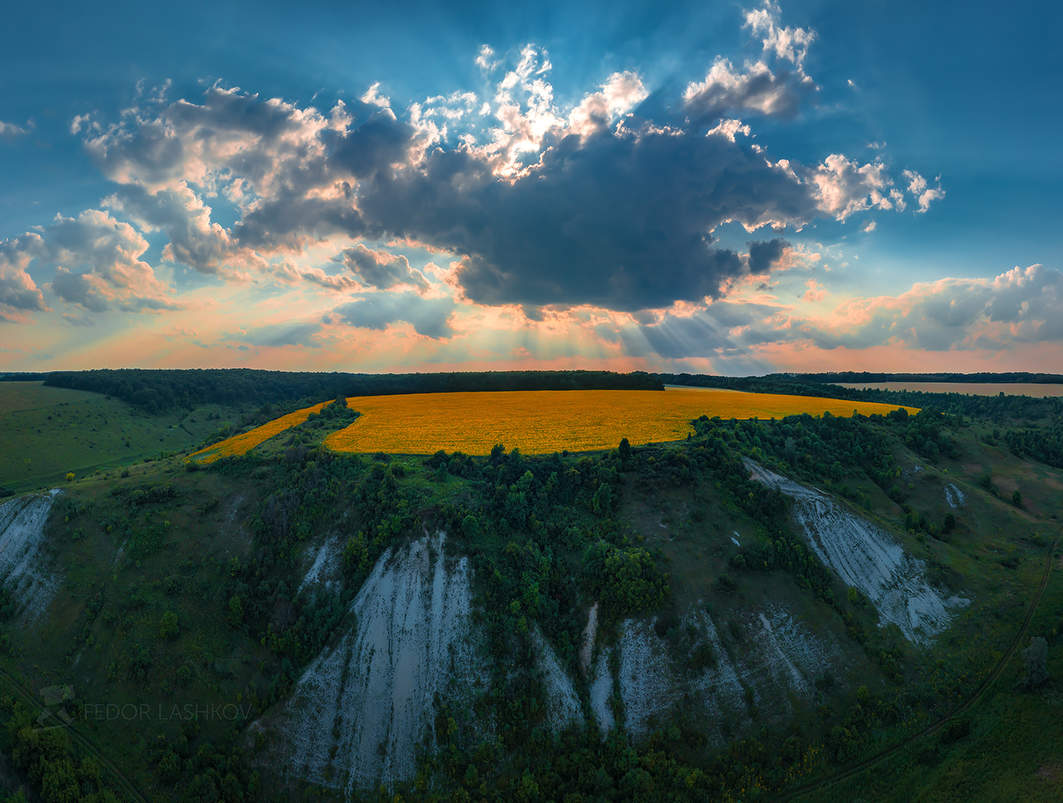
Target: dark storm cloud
(380, 269)
(617, 221)
(548, 209)
(291, 221)
(373, 146)
(762, 256)
(616, 218)
(271, 145)
(428, 316)
(707, 331)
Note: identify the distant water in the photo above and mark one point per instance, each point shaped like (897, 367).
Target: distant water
(968, 388)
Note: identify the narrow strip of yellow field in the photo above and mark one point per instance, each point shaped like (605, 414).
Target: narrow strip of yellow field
(546, 421)
(246, 441)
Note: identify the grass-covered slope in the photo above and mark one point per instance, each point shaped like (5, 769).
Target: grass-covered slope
(47, 432)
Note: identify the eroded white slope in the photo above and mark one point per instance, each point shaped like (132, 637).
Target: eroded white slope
(646, 683)
(777, 658)
(781, 655)
(954, 496)
(601, 689)
(22, 523)
(361, 708)
(324, 571)
(562, 703)
(867, 558)
(590, 633)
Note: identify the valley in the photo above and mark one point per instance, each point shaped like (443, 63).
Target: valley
(768, 608)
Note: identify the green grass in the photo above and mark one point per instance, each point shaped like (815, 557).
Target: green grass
(47, 432)
(123, 568)
(17, 396)
(1014, 748)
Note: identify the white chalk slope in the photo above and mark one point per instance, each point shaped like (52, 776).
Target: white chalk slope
(22, 523)
(362, 707)
(954, 496)
(563, 707)
(776, 660)
(325, 566)
(867, 558)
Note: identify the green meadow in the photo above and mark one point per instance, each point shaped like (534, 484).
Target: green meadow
(47, 432)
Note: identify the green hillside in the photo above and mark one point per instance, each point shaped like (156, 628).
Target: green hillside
(46, 432)
(183, 585)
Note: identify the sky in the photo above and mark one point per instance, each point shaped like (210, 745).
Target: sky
(718, 187)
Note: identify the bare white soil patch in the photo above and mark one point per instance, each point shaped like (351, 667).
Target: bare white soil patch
(562, 703)
(601, 690)
(783, 654)
(867, 558)
(720, 686)
(777, 659)
(119, 553)
(590, 633)
(954, 496)
(646, 683)
(324, 571)
(362, 707)
(22, 523)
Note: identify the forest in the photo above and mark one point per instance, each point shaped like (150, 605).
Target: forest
(977, 377)
(1001, 408)
(156, 391)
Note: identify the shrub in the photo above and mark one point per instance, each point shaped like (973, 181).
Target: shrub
(169, 628)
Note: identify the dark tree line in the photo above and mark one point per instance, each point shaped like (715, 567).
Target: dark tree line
(981, 377)
(1000, 408)
(160, 390)
(1043, 443)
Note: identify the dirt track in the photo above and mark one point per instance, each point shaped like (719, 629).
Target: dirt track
(998, 668)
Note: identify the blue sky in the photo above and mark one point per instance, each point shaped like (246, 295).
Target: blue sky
(955, 110)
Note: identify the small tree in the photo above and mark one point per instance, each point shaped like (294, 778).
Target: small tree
(1036, 658)
(169, 628)
(1016, 499)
